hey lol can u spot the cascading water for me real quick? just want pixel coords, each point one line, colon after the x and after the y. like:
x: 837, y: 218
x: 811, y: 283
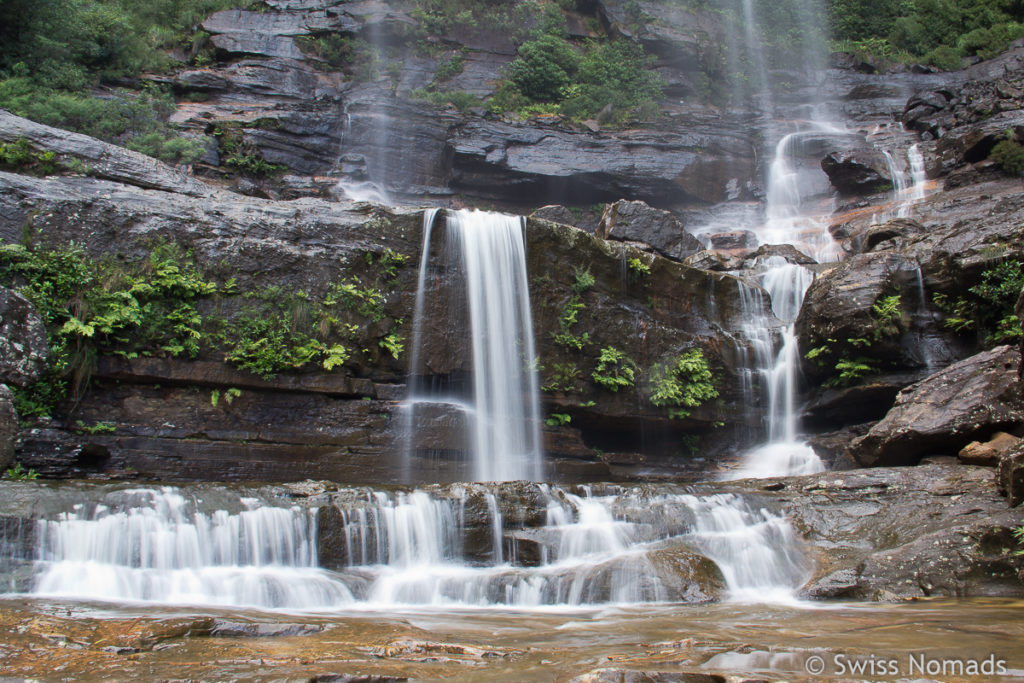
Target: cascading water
x: 504, y: 415
x: 414, y: 548
x: 778, y: 375
x: 154, y: 545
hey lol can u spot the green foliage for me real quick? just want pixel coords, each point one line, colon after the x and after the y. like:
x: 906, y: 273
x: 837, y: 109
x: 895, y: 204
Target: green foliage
x: 638, y: 268
x: 92, y: 307
x: 19, y: 473
x: 174, y: 150
x: 463, y: 101
x: 353, y: 295
x: 543, y: 67
x: 393, y: 344
x: 450, y: 68
x: 569, y: 317
x: 135, y: 119
x: 241, y: 156
x: 611, y: 81
x: 332, y: 49
x: 266, y: 344
x: 615, y: 370
x: 683, y: 383
x: 1018, y: 535
x: 851, y: 371
x: 229, y: 396
x: 558, y: 420
x: 887, y: 314
x: 1009, y: 156
x: 565, y: 377
x: 939, y: 32
x: 582, y: 280
x: 98, y: 428
x: 21, y: 156
x: 988, y: 306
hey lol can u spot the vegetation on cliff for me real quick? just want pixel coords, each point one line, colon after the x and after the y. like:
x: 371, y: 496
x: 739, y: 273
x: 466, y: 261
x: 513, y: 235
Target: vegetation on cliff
x: 165, y: 306
x: 939, y: 32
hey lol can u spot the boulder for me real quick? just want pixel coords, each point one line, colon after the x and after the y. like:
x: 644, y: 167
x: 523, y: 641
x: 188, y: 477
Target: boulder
x: 860, y: 172
x: 686, y: 575
x: 24, y: 350
x: 838, y: 311
x: 636, y: 221
x: 941, y: 414
x: 988, y: 453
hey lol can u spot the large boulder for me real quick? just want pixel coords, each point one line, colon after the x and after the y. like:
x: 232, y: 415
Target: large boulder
x: 635, y: 221
x: 941, y: 414
x: 23, y: 347
x: 859, y: 172
x: 838, y: 313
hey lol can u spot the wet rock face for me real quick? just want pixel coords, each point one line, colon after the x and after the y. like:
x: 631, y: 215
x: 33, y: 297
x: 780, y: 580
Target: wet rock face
x: 861, y: 172
x: 1011, y: 475
x: 23, y: 346
x: 941, y: 414
x: 8, y: 427
x: 527, y: 165
x: 989, y: 88
x: 895, y: 533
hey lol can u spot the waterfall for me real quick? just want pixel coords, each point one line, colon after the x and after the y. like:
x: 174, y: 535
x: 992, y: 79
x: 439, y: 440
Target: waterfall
x: 783, y: 454
x: 410, y: 548
x: 154, y: 545
x: 503, y: 418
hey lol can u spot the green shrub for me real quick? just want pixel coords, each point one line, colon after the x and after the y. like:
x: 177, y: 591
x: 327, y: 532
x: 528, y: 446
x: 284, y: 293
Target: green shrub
x: 683, y: 383
x: 1008, y: 155
x: 888, y: 317
x: 988, y: 307
x: 19, y: 473
x: 611, y: 80
x: 558, y: 420
x: 463, y: 101
x: 944, y: 57
x: 91, y: 307
x: 615, y: 370
x: 544, y: 67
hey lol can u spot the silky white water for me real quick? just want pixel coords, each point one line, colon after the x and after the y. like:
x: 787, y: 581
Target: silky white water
x: 503, y: 411
x: 410, y: 548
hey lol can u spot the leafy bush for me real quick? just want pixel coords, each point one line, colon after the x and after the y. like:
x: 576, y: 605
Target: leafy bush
x: 544, y: 67
x: 92, y: 307
x: 939, y: 32
x: 1008, y: 155
x: 463, y: 101
x: 989, y: 306
x: 944, y: 57
x: 615, y: 370
x: 682, y: 383
x: 887, y: 314
x: 609, y: 80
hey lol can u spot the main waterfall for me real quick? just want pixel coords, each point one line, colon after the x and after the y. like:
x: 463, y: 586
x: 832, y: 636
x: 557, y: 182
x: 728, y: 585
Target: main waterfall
x: 503, y: 415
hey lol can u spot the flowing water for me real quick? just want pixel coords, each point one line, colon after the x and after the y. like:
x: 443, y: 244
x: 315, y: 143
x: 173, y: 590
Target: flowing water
x: 503, y: 413
x: 401, y: 549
